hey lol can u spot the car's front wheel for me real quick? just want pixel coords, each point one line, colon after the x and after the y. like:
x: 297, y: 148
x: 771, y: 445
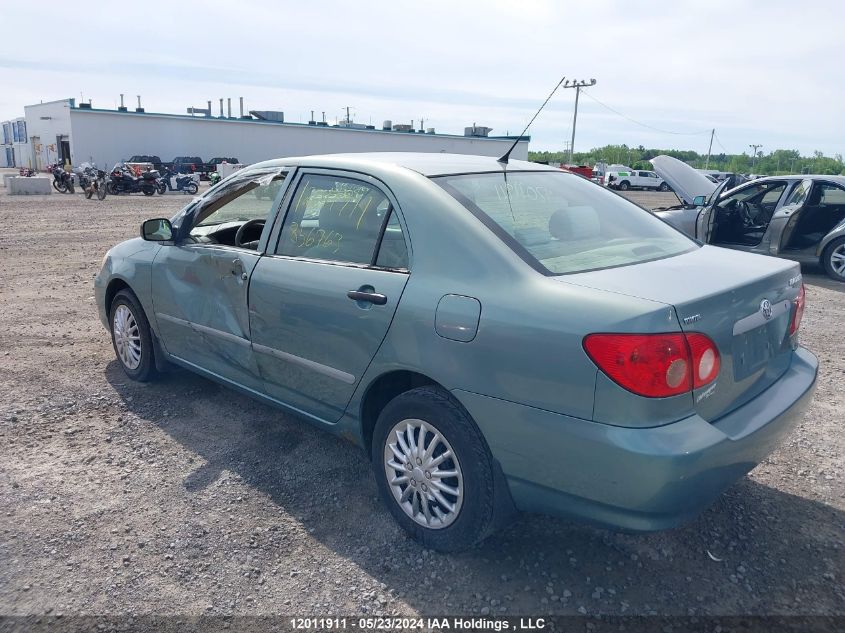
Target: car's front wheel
x: 833, y: 259
x: 624, y: 185
x: 663, y: 187
x: 131, y: 338
x: 434, y: 470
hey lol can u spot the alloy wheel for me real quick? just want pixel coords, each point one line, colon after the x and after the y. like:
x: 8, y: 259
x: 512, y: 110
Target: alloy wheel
x: 423, y: 473
x: 837, y: 260
x: 127, y: 337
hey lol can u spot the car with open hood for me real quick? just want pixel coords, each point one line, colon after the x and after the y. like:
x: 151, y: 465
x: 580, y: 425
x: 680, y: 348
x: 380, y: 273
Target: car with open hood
x: 496, y: 335
x: 799, y: 217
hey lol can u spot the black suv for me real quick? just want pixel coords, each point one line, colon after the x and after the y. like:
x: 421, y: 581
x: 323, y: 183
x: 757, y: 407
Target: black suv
x: 212, y: 164
x: 144, y: 158
x: 188, y: 165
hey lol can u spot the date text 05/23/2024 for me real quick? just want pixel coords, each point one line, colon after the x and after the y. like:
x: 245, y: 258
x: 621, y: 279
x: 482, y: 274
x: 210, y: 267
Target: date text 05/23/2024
x: 424, y: 624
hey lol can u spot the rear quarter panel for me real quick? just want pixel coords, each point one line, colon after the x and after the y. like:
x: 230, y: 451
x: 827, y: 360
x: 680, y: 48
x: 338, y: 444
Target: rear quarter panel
x: 528, y: 347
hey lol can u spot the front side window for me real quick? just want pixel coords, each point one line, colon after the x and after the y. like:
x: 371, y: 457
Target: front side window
x: 768, y: 192
x: 337, y: 219
x: 561, y: 223
x: 249, y: 202
x: 235, y: 213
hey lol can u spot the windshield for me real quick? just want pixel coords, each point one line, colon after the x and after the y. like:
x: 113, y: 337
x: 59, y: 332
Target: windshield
x: 561, y: 223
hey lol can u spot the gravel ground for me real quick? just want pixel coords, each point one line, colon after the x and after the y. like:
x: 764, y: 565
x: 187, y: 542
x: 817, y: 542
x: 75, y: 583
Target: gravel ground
x: 183, y: 497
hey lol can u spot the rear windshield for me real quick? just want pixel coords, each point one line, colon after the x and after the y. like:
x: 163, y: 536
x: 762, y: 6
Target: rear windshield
x: 562, y: 223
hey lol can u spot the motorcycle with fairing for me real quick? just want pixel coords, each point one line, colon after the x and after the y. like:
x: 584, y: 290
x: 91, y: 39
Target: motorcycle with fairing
x: 123, y: 180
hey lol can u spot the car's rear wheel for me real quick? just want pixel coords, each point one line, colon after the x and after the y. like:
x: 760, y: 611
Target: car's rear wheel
x: 833, y: 259
x: 434, y: 470
x: 624, y: 185
x: 663, y: 187
x: 131, y: 338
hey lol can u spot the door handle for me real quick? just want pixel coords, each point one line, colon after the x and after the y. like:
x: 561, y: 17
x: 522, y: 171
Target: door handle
x: 238, y: 269
x: 368, y: 297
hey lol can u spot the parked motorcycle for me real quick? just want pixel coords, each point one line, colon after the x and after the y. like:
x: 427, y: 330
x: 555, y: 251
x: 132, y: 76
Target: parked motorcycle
x: 177, y: 182
x: 123, y: 180
x: 62, y: 180
x: 92, y: 181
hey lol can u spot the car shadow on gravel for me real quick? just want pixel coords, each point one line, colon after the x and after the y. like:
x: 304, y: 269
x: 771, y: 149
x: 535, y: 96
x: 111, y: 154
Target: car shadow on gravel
x: 758, y: 550
x: 815, y: 275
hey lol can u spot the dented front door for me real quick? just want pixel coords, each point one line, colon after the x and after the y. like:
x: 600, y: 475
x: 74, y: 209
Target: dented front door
x: 200, y: 298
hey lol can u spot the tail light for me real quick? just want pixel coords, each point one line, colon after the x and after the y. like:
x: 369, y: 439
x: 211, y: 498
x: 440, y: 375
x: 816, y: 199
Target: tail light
x: 655, y: 365
x: 800, y: 302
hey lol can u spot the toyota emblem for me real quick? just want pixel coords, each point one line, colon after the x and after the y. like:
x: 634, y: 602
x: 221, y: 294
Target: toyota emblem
x: 766, y: 309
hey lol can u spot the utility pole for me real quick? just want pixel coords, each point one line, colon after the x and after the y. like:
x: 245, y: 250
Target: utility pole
x: 709, y: 149
x: 577, y: 85
x: 754, y: 156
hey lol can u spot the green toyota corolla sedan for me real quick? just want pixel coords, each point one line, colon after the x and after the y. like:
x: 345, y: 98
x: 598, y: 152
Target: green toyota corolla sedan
x: 496, y: 336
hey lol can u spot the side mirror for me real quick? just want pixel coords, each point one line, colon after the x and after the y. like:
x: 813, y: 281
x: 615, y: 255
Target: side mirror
x: 699, y: 201
x: 158, y: 230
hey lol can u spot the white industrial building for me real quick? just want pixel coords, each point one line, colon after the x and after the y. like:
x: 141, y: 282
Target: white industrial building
x: 15, y: 150
x: 64, y: 131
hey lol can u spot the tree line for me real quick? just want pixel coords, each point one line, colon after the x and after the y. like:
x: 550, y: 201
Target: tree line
x: 777, y: 162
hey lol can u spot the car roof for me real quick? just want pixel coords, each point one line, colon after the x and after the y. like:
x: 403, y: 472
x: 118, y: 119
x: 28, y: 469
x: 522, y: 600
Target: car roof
x: 837, y: 179
x: 427, y: 164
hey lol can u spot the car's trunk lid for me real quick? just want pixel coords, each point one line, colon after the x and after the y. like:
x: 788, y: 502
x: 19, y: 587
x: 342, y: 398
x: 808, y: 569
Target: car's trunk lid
x: 720, y: 293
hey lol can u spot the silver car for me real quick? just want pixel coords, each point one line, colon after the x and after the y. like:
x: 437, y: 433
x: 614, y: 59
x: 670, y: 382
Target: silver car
x: 800, y: 217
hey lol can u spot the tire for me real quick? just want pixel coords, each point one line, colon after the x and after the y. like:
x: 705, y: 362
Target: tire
x: 148, y: 190
x: 191, y: 188
x: 59, y: 187
x: 162, y: 188
x: 112, y: 188
x: 70, y: 186
x: 89, y: 192
x: 468, y: 516
x: 833, y: 259
x: 624, y: 185
x: 663, y: 187
x: 137, y: 361
x: 101, y: 192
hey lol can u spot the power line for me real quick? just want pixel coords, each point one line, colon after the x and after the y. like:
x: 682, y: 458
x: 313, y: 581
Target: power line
x: 646, y: 125
x: 720, y: 144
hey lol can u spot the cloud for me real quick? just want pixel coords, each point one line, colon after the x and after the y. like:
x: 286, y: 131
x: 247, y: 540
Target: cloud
x: 758, y: 75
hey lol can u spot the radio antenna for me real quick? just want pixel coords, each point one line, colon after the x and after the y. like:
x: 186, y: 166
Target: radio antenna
x: 504, y: 159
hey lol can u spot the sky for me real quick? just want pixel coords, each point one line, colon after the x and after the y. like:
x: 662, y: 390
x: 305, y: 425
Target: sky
x: 767, y: 73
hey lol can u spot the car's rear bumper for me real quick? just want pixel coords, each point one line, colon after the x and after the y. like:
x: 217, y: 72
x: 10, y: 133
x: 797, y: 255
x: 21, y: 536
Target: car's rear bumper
x: 636, y: 479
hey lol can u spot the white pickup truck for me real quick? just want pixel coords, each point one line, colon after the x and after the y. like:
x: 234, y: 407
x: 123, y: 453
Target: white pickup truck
x: 635, y: 179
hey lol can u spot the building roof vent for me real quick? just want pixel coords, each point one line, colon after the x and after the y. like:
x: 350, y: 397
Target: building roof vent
x: 403, y: 127
x: 477, y: 130
x: 268, y: 115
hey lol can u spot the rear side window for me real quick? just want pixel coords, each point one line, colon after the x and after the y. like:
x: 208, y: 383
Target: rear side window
x: 560, y: 223
x: 340, y: 219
